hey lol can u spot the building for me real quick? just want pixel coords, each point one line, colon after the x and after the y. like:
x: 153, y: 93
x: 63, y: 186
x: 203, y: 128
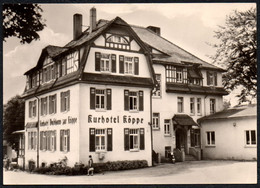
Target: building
x: 90, y: 97
x: 230, y: 134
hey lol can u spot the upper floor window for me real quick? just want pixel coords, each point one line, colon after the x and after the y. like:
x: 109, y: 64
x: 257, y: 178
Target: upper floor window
x: 212, y: 78
x: 100, y: 139
x: 100, y: 99
x: 44, y: 106
x: 157, y: 90
x: 199, y: 106
x: 212, y: 106
x: 116, y: 41
x: 65, y: 101
x: 174, y: 74
x: 133, y: 100
x: 32, y: 108
x: 105, y: 62
x: 166, y: 127
x: 72, y: 62
x: 250, y: 137
x: 180, y: 104
x: 156, y: 121
x: 52, y: 104
x: 128, y: 65
x: 192, y: 106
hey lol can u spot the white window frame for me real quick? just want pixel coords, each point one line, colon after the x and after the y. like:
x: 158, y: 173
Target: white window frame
x: 192, y: 106
x: 156, y: 120
x: 52, y: 144
x: 44, y: 106
x: 179, y: 75
x: 52, y: 103
x: 66, y: 101
x: 157, y: 92
x: 250, y: 138
x: 209, y: 138
x: 100, y: 134
x: 199, y: 106
x: 212, y: 105
x: 65, y: 141
x: 167, y: 124
x: 129, y: 65
x: 105, y: 63
x: 134, y: 133
x: 134, y: 99
x: 98, y: 97
x: 180, y: 100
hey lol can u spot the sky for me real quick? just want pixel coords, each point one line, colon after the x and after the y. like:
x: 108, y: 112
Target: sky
x: 188, y: 25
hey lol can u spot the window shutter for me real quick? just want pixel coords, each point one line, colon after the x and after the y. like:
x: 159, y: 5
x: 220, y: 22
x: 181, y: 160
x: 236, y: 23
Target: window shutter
x: 121, y: 64
x: 50, y: 109
x: 61, y: 101
x: 109, y: 97
x: 109, y: 140
x: 54, y: 140
x: 68, y: 94
x: 61, y: 139
x: 68, y: 138
x: 208, y: 78
x: 41, y: 106
x: 41, y: 140
x: 30, y: 109
x: 97, y: 61
x: 55, y: 103
x: 215, y: 78
x: 35, y: 104
x: 126, y: 99
x: 92, y: 139
x: 113, y: 57
x: 92, y: 98
x: 142, y: 139
x: 126, y: 133
x: 136, y: 61
x: 141, y: 101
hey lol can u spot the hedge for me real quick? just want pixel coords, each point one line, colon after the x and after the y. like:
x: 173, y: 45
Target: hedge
x: 98, y: 168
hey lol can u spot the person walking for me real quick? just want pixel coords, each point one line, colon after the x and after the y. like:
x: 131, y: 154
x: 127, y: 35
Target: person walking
x: 90, y: 166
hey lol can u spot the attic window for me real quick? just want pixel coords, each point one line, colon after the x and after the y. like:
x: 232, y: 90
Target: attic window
x: 116, y: 41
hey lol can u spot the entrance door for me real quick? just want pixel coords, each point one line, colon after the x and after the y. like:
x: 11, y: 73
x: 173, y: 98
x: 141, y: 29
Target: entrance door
x: 180, y: 139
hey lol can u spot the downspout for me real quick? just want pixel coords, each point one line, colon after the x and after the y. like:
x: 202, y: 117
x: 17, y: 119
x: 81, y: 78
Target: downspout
x: 38, y: 132
x: 151, y: 124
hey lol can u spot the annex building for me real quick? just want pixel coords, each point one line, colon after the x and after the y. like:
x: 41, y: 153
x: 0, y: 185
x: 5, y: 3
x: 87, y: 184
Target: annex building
x: 117, y: 92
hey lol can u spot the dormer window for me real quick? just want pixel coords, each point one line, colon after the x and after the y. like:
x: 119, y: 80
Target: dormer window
x: 176, y: 74
x: 179, y: 74
x: 212, y: 78
x: 116, y: 41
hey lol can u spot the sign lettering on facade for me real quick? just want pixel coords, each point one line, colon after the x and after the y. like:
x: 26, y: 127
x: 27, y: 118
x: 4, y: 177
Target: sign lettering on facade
x: 112, y: 119
x: 69, y: 120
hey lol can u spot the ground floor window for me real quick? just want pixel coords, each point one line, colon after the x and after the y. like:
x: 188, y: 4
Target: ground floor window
x: 32, y: 140
x: 134, y: 139
x: 48, y: 140
x: 210, y: 138
x: 65, y: 140
x: 100, y: 139
x: 250, y: 137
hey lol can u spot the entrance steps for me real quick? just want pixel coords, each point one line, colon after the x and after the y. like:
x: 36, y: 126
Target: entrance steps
x: 190, y: 158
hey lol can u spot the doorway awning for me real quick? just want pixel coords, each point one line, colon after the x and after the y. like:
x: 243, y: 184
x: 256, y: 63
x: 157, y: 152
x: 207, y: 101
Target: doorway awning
x: 183, y: 120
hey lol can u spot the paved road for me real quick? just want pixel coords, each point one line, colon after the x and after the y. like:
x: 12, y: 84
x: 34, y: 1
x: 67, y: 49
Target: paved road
x: 194, y: 172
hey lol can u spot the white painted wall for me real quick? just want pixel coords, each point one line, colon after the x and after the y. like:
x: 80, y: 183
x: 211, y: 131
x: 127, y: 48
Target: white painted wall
x: 230, y: 141
x: 118, y: 152
x: 54, y: 156
x: 143, y: 66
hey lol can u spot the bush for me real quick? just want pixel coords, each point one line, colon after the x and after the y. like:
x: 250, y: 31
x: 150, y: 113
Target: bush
x: 81, y: 169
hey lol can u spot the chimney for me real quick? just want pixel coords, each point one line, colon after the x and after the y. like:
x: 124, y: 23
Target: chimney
x: 77, y: 25
x: 93, y: 19
x: 156, y: 30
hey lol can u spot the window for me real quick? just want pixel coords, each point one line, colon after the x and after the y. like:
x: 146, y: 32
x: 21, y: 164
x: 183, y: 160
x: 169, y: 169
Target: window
x: 65, y: 101
x: 52, y: 104
x: 105, y: 63
x: 32, y: 108
x: 129, y: 65
x: 100, y: 140
x: 180, y: 104
x: 63, y: 67
x: 195, y: 137
x: 156, y: 121
x: 44, y: 106
x: 53, y: 141
x: 34, y: 80
x: 167, y: 127
x: 251, y: 137
x: 210, y: 138
x: 212, y: 78
x: 48, y: 140
x: 168, y: 150
x: 100, y: 99
x: 174, y: 74
x: 133, y: 100
x: 52, y: 72
x: 157, y: 90
x: 65, y: 140
x: 179, y: 74
x: 199, y: 106
x: 72, y: 61
x: 212, y: 106
x: 192, y: 106
x: 115, y: 41
x: 32, y: 140
x: 134, y: 139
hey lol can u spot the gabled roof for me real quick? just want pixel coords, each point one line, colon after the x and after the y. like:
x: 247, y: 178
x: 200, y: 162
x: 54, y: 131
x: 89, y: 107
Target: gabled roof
x: 183, y: 120
x: 237, y: 111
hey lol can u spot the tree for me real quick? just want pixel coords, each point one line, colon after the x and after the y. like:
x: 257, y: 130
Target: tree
x: 22, y: 21
x: 13, y: 119
x: 236, y: 52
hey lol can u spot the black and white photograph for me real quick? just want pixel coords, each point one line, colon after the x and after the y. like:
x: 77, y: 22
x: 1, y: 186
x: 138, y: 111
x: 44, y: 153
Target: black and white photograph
x: 129, y: 93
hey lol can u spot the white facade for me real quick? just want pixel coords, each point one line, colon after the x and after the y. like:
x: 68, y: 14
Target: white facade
x: 230, y: 139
